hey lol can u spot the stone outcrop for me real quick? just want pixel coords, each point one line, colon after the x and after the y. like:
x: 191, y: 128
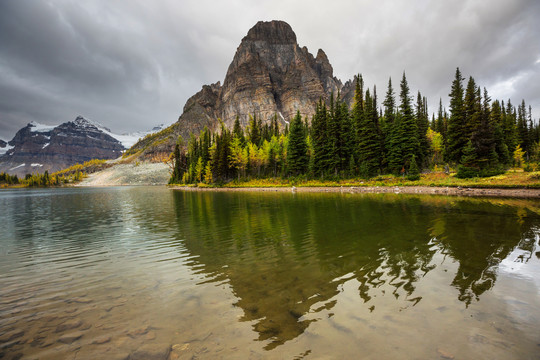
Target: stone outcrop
x: 37, y: 148
x: 270, y: 75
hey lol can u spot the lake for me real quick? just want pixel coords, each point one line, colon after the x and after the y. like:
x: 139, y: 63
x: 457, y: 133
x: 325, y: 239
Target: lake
x: 154, y: 273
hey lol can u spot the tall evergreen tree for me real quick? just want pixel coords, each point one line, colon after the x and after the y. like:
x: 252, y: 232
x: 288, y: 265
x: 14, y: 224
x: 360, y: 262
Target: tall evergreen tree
x: 483, y: 137
x: 392, y: 132
x: 334, y: 131
x: 321, y: 141
x: 522, y: 127
x: 347, y: 137
x: 441, y: 125
x: 238, y: 131
x: 368, y: 137
x: 297, y: 158
x: 254, y: 130
x: 509, y: 127
x: 422, y: 123
x: 457, y: 136
x: 496, y: 122
x: 409, y: 143
x: 471, y: 108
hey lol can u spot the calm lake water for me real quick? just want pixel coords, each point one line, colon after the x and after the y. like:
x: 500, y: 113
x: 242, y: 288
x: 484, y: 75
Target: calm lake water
x: 152, y: 273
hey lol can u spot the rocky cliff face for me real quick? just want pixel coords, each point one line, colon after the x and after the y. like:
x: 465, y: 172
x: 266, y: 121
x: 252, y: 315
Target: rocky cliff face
x: 36, y: 147
x: 270, y: 75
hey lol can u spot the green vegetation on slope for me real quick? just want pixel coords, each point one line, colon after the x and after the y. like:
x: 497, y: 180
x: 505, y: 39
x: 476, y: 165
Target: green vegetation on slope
x: 480, y: 138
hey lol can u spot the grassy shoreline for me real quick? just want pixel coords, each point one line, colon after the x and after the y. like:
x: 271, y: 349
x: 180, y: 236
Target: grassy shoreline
x: 514, y: 183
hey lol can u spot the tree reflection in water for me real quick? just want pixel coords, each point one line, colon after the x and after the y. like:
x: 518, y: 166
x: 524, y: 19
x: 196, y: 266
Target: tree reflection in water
x: 288, y: 255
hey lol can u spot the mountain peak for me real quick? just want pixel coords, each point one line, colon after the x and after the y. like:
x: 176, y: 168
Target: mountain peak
x: 82, y: 122
x: 273, y: 32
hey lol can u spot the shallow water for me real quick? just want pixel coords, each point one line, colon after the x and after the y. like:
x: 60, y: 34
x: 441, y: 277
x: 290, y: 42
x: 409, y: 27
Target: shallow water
x: 154, y: 273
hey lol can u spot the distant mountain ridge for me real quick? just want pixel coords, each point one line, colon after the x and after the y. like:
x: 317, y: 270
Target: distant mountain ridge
x: 36, y: 147
x: 270, y: 75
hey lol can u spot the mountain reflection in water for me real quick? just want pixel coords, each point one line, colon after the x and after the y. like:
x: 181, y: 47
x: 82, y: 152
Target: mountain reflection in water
x: 148, y: 272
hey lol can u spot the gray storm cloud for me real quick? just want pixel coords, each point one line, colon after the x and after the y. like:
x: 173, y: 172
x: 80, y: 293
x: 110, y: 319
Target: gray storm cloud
x: 131, y: 65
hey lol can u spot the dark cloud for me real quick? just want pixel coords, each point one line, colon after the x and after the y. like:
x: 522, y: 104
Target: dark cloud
x: 131, y: 65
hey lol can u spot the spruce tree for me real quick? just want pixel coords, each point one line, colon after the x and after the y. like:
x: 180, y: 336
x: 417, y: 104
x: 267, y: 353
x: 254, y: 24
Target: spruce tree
x: 422, y: 122
x: 523, y: 129
x: 254, y: 130
x: 321, y: 141
x: 347, y: 137
x: 457, y: 135
x: 390, y: 148
x: 238, y: 131
x: 509, y: 127
x: 297, y: 159
x: 468, y: 168
x: 483, y: 137
x: 471, y: 108
x: 368, y: 138
x: 413, y: 173
x: 358, y: 109
x: 495, y: 118
x: 333, y: 133
x: 394, y: 143
x: 409, y: 142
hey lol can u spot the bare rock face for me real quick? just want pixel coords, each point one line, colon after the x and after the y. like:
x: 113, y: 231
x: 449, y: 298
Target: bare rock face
x: 37, y: 148
x: 270, y: 75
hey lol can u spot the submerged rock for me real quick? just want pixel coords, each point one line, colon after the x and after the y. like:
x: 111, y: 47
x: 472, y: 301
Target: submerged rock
x: 68, y: 325
x: 70, y: 338
x: 151, y: 352
x: 101, y: 340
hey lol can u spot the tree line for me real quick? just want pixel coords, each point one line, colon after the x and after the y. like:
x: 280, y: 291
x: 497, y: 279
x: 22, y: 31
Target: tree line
x: 478, y: 137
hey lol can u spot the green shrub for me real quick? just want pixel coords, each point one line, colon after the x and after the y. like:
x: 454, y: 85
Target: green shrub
x: 465, y: 172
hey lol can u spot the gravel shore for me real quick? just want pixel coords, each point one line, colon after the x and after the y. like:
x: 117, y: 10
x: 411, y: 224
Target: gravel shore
x: 456, y: 191
x: 146, y: 173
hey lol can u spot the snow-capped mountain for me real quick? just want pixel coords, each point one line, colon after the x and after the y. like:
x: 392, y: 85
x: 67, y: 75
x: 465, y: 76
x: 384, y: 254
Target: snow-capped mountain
x: 128, y: 140
x: 38, y: 147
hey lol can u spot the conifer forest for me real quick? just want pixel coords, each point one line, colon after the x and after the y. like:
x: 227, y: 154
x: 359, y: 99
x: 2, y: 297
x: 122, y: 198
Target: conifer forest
x: 477, y: 136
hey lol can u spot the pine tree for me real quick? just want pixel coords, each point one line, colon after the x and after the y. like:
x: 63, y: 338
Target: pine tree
x: 179, y: 162
x: 441, y: 125
x: 409, y: 142
x: 509, y: 127
x: 468, y: 169
x: 254, y: 130
x: 368, y: 137
x: 483, y: 137
x: 495, y: 118
x: 297, y: 159
x: 333, y: 133
x: 238, y: 131
x: 422, y: 123
x: 456, y: 135
x: 358, y: 109
x: 523, y: 129
x: 321, y: 141
x: 394, y: 143
x: 390, y: 132
x: 471, y: 108
x: 347, y: 137
x: 414, y: 173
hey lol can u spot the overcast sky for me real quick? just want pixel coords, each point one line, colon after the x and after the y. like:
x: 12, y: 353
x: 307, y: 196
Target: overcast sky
x: 133, y: 64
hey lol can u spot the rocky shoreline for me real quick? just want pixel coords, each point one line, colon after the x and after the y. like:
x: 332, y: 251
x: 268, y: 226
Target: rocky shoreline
x: 428, y: 190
